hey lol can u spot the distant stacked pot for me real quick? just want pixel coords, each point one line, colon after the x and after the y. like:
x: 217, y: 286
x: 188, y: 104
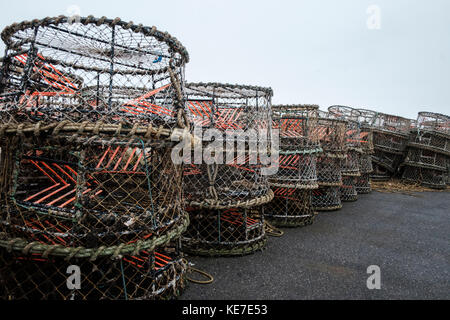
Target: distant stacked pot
x: 428, y: 154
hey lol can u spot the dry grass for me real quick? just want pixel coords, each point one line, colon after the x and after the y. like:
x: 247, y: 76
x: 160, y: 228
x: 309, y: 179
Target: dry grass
x: 397, y: 186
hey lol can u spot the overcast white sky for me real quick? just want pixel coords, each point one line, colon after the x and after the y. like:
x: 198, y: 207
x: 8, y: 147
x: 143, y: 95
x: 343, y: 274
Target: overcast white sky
x: 308, y: 51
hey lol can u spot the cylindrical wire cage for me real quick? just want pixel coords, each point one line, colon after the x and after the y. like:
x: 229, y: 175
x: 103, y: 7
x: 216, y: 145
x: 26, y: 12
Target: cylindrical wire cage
x: 225, y: 195
x: 227, y: 232
x: 363, y: 184
x: 326, y: 199
x: 297, y: 174
x: 298, y: 146
x: 290, y: 208
x: 348, y: 190
x: 428, y: 152
x: 149, y: 275
x: 237, y: 118
x: 87, y: 109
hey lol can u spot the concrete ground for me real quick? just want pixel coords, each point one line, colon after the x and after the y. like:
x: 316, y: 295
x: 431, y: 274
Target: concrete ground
x: 408, y: 237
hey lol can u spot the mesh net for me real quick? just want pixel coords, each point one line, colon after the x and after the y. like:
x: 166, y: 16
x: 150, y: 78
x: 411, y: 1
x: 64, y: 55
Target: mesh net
x: 234, y: 178
x: 380, y: 173
x: 348, y: 189
x: 86, y: 111
x: 426, y: 159
x: 326, y: 199
x: 226, y: 196
x: 436, y: 179
x: 363, y: 184
x: 329, y: 170
x: 226, y: 232
x: 428, y: 156
x: 290, y: 207
x: 298, y: 146
x: 158, y: 274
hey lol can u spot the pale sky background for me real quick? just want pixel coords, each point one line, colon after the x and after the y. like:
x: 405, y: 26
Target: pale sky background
x: 308, y: 51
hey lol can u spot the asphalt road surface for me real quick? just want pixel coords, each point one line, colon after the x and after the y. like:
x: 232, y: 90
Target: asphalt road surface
x: 408, y: 237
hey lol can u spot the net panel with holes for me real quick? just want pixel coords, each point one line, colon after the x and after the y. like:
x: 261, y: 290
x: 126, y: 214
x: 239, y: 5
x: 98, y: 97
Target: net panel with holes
x: 332, y: 136
x: 87, y: 110
x: 155, y: 274
x: 351, y: 169
x: 428, y: 151
x: 390, y: 136
x: 297, y: 161
x: 326, y: 199
x: 225, y: 232
x: 225, y: 186
x: 290, y: 207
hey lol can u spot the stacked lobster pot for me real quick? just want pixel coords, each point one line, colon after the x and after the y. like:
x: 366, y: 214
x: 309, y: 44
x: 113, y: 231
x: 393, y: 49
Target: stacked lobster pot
x: 351, y: 165
x: 331, y: 134
x: 363, y: 182
x: 428, y: 153
x: 90, y: 201
x: 390, y: 136
x: 225, y: 177
x: 296, y: 176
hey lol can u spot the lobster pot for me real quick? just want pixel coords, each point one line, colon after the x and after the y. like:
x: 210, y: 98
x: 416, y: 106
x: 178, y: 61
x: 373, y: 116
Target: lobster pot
x: 426, y: 158
x: 432, y: 178
x: 88, y: 112
x: 329, y: 169
x: 147, y: 275
x: 363, y: 184
x: 296, y: 170
x: 331, y: 132
x: 380, y: 173
x: 348, y: 189
x: 228, y: 232
x: 326, y: 199
x: 231, y: 124
x: 365, y: 163
x: 351, y: 165
x: 430, y: 140
x: 290, y: 208
x: 298, y: 146
x: 389, y: 161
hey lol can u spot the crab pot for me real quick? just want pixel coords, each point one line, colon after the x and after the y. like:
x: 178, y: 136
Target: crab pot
x: 298, y: 146
x: 239, y: 118
x: 147, y: 275
x: 329, y: 172
x: 351, y: 164
x: 365, y: 163
x: 326, y: 199
x: 331, y: 133
x: 426, y: 158
x: 87, y: 110
x: 363, y: 184
x: 389, y: 161
x: 348, y: 189
x: 390, y: 136
x: 72, y: 194
x: 290, y: 207
x: 432, y: 178
x: 428, y: 153
x: 228, y: 232
x: 380, y: 173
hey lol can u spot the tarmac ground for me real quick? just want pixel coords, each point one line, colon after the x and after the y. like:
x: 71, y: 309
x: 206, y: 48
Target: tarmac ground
x: 408, y: 237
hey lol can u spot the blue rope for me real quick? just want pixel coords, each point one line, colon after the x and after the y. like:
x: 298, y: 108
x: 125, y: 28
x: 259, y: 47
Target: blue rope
x: 123, y: 280
x: 148, y: 173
